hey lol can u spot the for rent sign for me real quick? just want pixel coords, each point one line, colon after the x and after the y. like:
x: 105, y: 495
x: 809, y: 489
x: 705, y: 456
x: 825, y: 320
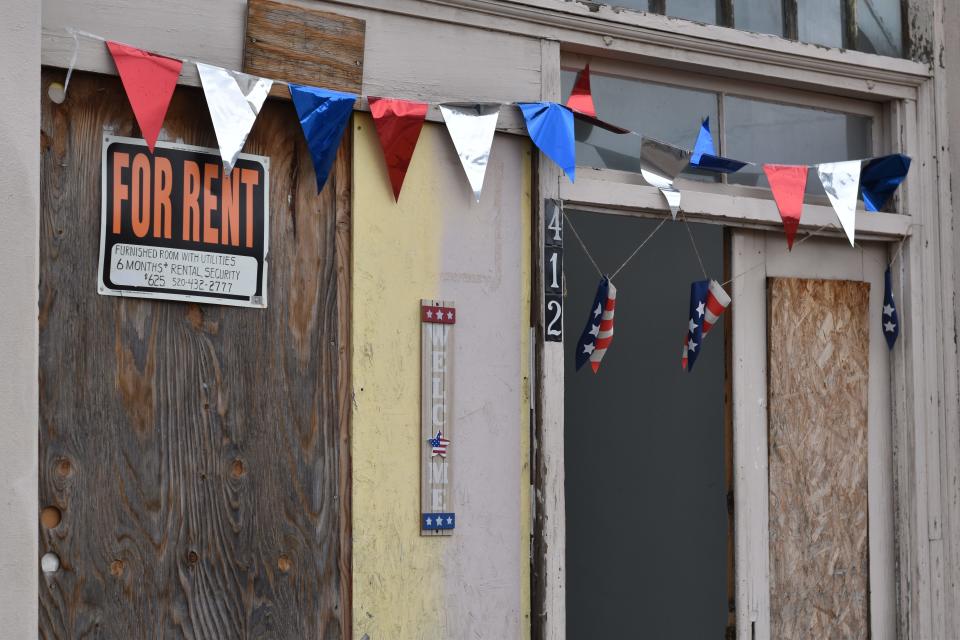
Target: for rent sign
x: 174, y: 226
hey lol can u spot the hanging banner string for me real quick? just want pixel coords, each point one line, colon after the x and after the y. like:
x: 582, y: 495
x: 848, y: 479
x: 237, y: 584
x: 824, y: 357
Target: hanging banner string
x: 86, y: 34
x: 693, y: 243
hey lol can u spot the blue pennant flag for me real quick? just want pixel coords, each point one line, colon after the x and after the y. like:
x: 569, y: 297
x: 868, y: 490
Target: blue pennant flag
x: 324, y: 115
x: 705, y: 155
x: 550, y: 126
x: 890, y: 320
x: 880, y: 177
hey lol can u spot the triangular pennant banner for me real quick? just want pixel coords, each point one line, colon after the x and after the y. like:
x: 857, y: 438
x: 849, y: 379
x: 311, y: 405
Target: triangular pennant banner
x: 788, y: 182
x: 581, y: 99
x: 323, y: 115
x: 708, y: 301
x: 880, y: 177
x: 149, y: 81
x: 598, y: 334
x: 705, y: 155
x: 471, y: 127
x: 234, y: 100
x: 841, y: 181
x: 398, y: 124
x: 550, y: 126
x: 660, y: 164
x: 704, y: 143
x: 890, y: 320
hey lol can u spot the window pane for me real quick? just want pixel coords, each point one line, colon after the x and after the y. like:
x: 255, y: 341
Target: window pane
x: 660, y: 111
x: 636, y: 5
x: 879, y: 28
x: 761, y: 16
x: 820, y: 22
x: 768, y: 132
x: 699, y: 10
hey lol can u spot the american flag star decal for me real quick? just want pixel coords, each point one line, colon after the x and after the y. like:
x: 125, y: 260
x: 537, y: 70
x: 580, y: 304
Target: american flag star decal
x: 438, y: 445
x: 708, y: 301
x: 890, y: 320
x: 598, y: 334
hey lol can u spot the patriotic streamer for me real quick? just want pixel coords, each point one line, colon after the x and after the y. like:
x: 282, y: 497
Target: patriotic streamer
x: 705, y: 154
x: 149, y: 81
x: 598, y: 334
x: 471, y: 127
x: 787, y: 183
x: 660, y: 164
x: 889, y: 319
x: 880, y: 177
x: 550, y: 126
x: 581, y: 103
x: 708, y: 301
x: 841, y: 181
x: 324, y: 115
x: 234, y: 100
x: 398, y: 124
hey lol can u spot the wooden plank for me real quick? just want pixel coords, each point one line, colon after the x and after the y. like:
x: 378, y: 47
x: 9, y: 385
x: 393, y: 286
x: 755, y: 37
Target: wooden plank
x: 298, y: 43
x: 726, y: 205
x: 436, y: 418
x: 197, y: 455
x: 818, y: 345
x: 750, y: 434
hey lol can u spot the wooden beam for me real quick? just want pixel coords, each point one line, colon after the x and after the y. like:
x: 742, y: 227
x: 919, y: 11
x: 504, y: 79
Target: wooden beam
x: 300, y: 44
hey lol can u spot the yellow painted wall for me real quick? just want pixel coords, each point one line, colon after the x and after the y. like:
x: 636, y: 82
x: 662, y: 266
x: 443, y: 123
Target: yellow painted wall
x: 405, y: 585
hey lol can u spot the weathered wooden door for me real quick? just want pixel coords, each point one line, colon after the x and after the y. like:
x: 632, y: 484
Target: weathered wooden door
x: 194, y: 460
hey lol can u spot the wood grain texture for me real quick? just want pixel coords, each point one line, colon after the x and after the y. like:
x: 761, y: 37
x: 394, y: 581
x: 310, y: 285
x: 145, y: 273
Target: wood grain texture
x: 198, y: 454
x: 818, y: 381
x: 297, y: 43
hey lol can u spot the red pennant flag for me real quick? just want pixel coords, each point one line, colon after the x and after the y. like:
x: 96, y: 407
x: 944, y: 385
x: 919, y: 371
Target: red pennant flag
x: 788, y: 182
x: 398, y: 124
x: 581, y: 99
x: 149, y: 81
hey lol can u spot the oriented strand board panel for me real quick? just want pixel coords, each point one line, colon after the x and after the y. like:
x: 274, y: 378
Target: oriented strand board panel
x: 297, y: 43
x: 196, y: 456
x: 818, y: 344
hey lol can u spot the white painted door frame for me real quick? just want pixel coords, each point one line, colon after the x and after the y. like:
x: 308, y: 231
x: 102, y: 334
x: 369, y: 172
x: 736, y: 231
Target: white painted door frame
x: 756, y: 256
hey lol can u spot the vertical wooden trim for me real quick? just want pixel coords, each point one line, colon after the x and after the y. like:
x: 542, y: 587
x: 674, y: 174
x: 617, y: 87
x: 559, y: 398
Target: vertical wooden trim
x: 848, y: 13
x: 747, y: 317
x: 658, y: 6
x: 549, y: 618
x: 791, y: 27
x: 343, y: 176
x: 725, y: 13
x: 728, y: 450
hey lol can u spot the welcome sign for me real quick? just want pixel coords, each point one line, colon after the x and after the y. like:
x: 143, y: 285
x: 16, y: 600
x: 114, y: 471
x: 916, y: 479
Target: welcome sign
x: 174, y: 226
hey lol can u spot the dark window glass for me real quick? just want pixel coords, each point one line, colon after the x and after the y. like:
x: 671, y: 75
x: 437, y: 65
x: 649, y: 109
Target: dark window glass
x: 647, y: 524
x: 879, y: 27
x: 670, y: 114
x: 698, y: 10
x: 767, y: 132
x: 820, y: 22
x: 636, y: 5
x: 760, y: 16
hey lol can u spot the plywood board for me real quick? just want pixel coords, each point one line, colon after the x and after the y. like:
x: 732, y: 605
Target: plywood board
x: 818, y: 346
x: 298, y: 43
x: 194, y: 459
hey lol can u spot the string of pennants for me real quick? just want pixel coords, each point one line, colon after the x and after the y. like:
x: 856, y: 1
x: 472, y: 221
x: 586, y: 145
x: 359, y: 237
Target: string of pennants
x: 235, y: 99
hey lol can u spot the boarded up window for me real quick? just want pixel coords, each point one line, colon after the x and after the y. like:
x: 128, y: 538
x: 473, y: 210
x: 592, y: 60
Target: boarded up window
x: 193, y: 459
x: 818, y: 348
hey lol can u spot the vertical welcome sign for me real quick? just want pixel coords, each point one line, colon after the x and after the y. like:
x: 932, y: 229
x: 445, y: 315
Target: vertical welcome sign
x: 437, y: 318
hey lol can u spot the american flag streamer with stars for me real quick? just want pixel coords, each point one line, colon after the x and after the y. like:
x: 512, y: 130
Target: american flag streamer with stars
x: 438, y: 445
x: 891, y: 322
x: 598, y: 334
x: 708, y: 301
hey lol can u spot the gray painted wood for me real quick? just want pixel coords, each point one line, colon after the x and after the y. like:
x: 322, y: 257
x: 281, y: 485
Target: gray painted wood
x: 197, y: 454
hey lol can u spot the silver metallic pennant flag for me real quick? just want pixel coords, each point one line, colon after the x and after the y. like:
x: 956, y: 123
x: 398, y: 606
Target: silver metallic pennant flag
x: 234, y: 100
x: 841, y: 181
x: 660, y: 164
x: 471, y: 128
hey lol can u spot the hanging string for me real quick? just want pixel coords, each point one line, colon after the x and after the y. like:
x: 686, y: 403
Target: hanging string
x: 580, y: 240
x: 693, y: 243
x: 590, y: 256
x: 637, y: 250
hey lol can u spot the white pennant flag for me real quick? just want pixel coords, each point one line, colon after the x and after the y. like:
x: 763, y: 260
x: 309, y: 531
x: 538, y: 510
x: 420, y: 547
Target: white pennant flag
x: 841, y: 181
x: 234, y: 100
x: 471, y: 128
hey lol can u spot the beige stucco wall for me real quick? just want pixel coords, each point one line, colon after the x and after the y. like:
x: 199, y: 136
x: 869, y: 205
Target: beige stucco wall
x: 19, y: 245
